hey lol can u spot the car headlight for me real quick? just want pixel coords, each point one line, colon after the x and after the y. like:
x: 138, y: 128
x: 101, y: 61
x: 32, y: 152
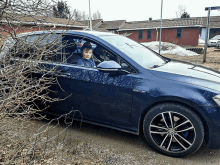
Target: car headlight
x: 217, y: 99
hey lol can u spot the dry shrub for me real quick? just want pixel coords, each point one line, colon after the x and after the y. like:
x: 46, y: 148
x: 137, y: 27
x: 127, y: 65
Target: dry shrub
x: 22, y: 95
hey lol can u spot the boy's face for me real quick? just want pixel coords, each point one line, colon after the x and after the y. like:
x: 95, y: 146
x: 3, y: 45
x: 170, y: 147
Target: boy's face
x: 87, y: 53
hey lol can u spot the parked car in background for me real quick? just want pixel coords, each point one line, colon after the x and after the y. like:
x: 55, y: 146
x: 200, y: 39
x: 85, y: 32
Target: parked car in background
x: 218, y: 45
x: 175, y: 104
x: 213, y: 41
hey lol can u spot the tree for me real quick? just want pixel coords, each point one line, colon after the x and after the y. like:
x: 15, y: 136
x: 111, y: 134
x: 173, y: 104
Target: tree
x: 84, y: 16
x: 77, y: 15
x: 181, y: 9
x: 185, y: 15
x: 61, y: 10
x: 97, y: 15
x: 19, y: 89
x: 80, y: 15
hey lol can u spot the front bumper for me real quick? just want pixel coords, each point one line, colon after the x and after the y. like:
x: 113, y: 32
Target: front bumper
x: 211, y: 43
x: 212, y: 132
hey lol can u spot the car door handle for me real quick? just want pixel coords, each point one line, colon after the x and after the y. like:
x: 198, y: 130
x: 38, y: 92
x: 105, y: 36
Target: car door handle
x: 65, y: 74
x: 135, y: 90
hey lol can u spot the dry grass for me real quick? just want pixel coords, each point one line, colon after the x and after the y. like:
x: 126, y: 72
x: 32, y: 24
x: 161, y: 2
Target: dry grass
x: 212, y: 58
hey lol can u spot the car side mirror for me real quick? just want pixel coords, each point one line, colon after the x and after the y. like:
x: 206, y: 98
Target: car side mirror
x: 111, y: 67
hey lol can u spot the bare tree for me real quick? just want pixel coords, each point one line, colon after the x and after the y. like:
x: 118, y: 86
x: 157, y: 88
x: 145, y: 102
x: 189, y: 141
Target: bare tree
x: 18, y: 89
x: 22, y: 93
x: 97, y: 15
x: 61, y: 10
x: 77, y: 15
x: 84, y: 16
x: 181, y: 9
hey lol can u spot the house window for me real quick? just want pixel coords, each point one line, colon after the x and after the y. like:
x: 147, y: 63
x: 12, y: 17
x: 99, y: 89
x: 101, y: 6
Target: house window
x: 179, y: 31
x: 149, y: 34
x: 140, y: 36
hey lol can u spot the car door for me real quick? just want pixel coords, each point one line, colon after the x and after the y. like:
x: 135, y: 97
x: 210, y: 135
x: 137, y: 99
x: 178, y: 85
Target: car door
x: 100, y: 97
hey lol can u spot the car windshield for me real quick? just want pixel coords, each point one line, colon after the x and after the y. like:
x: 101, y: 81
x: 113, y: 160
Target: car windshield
x: 140, y: 54
x: 216, y: 37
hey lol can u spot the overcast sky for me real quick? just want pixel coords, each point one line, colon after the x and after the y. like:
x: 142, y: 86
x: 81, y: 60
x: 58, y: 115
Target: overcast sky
x: 138, y: 10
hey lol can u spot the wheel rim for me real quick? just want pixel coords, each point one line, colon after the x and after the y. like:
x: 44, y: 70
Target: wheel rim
x: 172, y: 132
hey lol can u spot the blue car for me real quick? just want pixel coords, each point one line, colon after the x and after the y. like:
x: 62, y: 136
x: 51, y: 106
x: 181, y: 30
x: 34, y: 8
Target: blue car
x: 131, y: 88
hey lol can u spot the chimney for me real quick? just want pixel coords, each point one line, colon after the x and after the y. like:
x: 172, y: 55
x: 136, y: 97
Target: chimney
x: 150, y: 18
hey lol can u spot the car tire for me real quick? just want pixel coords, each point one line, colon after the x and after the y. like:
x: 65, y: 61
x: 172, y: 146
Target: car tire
x: 173, y: 129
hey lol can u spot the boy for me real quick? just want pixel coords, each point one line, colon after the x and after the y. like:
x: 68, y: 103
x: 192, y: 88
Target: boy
x: 86, y: 52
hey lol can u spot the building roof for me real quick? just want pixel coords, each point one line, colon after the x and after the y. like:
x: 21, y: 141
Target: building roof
x: 111, y: 25
x: 214, y: 21
x: 35, y: 20
x: 95, y: 22
x: 166, y: 23
x: 101, y: 30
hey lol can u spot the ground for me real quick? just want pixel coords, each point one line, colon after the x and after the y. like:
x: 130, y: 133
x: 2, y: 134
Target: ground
x: 102, y: 146
x: 212, y: 58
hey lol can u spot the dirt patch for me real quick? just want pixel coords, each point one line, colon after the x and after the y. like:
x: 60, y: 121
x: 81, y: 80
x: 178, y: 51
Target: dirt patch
x: 99, y: 145
x: 212, y: 58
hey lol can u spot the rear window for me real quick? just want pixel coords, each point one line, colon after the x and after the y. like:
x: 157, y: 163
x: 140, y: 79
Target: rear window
x: 30, y: 46
x: 8, y: 44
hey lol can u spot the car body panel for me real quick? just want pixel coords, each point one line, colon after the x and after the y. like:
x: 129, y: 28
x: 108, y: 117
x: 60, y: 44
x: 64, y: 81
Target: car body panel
x: 99, y: 96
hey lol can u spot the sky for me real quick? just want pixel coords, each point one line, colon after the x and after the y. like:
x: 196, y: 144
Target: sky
x: 139, y: 10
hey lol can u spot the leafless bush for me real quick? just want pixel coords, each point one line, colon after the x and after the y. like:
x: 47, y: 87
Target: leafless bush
x: 53, y: 142
x: 18, y: 88
x: 25, y: 81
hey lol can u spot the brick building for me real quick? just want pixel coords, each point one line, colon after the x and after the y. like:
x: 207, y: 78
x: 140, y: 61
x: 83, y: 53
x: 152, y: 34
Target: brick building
x: 177, y: 31
x: 180, y: 31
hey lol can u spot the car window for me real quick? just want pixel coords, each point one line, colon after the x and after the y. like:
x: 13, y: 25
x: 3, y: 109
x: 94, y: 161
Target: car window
x: 72, y: 53
x: 44, y: 47
x: 124, y: 64
x: 103, y: 54
x: 8, y: 44
x: 216, y: 37
x: 51, y: 44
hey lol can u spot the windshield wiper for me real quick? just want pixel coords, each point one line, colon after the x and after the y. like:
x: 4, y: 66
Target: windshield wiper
x: 156, y: 66
x: 129, y: 45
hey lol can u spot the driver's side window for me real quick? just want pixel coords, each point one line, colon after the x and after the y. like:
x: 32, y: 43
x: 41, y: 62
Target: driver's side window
x: 101, y: 54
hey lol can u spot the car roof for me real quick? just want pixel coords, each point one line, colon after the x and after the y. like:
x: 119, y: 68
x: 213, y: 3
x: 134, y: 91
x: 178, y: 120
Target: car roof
x: 78, y: 32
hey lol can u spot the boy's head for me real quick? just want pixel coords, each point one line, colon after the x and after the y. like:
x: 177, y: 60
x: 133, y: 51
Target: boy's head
x: 86, y: 50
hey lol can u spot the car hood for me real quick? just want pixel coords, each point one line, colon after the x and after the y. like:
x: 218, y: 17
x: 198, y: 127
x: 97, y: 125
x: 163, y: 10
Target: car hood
x: 189, y: 73
x: 213, y: 40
